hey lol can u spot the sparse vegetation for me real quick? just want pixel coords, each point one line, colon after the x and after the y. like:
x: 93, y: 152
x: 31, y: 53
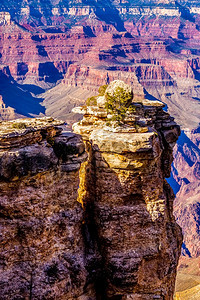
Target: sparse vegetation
x: 102, y: 90
x: 132, y: 108
x: 119, y: 104
x: 92, y: 101
x: 19, y: 125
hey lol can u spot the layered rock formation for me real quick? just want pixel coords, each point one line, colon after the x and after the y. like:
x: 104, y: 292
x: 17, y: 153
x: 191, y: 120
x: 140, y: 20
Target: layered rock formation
x: 123, y: 241
x: 153, y: 45
x: 42, y: 247
x: 129, y: 219
x: 98, y: 42
x: 51, y: 12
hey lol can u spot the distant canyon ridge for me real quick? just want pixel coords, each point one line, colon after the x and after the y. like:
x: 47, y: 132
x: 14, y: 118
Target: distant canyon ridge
x: 56, y: 54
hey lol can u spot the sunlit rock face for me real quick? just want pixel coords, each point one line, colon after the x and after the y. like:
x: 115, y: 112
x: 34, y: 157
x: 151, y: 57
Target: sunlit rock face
x: 128, y: 203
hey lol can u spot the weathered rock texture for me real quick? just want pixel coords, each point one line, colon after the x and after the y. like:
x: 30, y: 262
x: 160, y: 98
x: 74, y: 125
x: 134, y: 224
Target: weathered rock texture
x: 123, y: 241
x: 128, y: 203
x: 42, y: 249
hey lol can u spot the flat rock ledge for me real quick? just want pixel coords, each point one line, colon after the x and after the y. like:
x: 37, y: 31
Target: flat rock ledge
x: 30, y: 146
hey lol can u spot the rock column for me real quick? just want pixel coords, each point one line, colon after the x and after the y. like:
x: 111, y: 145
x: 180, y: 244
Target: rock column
x: 131, y: 205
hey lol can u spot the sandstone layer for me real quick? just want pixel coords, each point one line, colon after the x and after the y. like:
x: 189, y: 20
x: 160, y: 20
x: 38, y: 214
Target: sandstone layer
x: 128, y: 203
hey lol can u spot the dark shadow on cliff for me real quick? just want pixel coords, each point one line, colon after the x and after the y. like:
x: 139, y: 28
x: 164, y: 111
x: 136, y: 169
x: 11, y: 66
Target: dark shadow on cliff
x: 41, y: 51
x: 33, y: 89
x: 185, y: 143
x: 190, y: 152
x: 197, y: 77
x: 88, y: 31
x: 175, y: 45
x: 49, y: 73
x: 149, y: 96
x: 21, y: 97
x: 185, y: 251
x: 108, y: 13
x: 101, y: 209
x: 173, y: 183
x: 185, y: 12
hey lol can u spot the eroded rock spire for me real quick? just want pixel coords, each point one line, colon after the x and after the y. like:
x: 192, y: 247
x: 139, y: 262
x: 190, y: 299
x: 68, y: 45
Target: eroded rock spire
x: 128, y: 203
x: 95, y: 225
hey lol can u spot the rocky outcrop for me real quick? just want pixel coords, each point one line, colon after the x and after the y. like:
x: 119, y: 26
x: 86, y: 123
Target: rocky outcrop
x: 42, y: 248
x: 96, y: 228
x: 129, y: 219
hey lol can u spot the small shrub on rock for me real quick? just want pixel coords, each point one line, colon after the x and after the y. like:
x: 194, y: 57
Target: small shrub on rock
x: 19, y: 125
x: 118, y: 104
x: 91, y: 101
x: 102, y: 90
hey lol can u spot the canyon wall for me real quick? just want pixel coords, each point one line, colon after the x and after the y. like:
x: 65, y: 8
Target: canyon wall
x: 96, y: 41
x: 51, y: 12
x: 186, y: 174
x: 96, y: 228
